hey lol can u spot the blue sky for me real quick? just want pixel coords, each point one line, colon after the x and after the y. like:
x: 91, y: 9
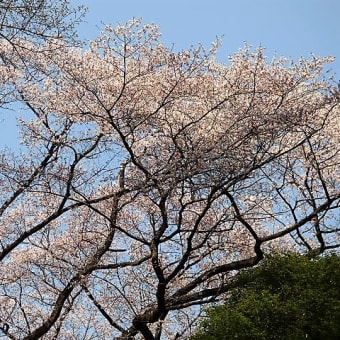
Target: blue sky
x: 290, y: 28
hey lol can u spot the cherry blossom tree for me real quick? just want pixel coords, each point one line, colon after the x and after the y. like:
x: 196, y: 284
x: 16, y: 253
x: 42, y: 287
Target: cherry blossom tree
x: 152, y: 176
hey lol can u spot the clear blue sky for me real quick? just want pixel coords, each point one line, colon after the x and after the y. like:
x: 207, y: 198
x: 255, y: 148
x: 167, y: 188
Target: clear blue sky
x: 291, y: 28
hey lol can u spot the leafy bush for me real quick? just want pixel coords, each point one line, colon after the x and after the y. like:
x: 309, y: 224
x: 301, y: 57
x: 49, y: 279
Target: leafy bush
x: 286, y: 297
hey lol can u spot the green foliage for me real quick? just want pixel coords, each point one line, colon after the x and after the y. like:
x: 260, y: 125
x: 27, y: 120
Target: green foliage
x: 286, y: 297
